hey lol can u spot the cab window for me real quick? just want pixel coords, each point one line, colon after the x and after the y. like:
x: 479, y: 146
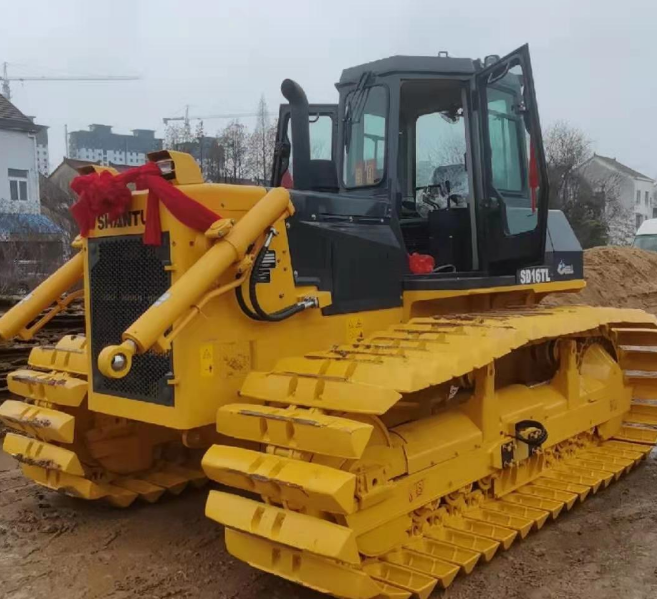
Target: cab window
x: 514, y: 179
x: 365, y: 137
x: 321, y: 138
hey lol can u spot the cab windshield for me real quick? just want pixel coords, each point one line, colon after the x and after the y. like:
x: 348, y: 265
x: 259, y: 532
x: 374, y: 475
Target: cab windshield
x: 646, y: 242
x: 365, y: 138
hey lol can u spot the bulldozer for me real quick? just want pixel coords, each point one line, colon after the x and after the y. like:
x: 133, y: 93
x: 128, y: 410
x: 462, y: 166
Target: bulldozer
x: 357, y: 353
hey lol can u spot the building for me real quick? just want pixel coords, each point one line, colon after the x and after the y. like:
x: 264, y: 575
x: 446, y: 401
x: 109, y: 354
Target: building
x: 43, y: 159
x: 634, y: 190
x: 30, y: 243
x: 101, y: 145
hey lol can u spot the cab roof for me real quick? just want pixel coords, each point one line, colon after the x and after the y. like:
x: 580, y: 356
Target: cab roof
x: 439, y: 65
x: 648, y: 227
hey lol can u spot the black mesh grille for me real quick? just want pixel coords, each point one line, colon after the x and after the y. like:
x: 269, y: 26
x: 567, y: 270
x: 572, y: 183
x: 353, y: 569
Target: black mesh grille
x: 125, y: 278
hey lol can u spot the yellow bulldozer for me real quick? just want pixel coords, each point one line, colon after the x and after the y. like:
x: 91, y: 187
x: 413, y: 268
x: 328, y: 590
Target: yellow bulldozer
x: 357, y: 353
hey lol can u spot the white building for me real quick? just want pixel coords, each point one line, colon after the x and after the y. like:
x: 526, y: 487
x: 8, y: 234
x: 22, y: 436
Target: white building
x: 19, y: 173
x: 30, y: 243
x: 101, y: 145
x: 634, y: 190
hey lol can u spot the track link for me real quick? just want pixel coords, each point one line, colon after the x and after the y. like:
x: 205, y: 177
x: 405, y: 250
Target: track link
x: 376, y: 475
x: 61, y: 445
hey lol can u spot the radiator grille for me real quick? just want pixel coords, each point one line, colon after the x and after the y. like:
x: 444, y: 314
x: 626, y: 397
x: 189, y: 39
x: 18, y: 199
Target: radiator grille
x: 125, y: 278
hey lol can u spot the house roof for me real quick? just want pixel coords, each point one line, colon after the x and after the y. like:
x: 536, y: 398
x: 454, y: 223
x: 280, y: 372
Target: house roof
x: 626, y: 170
x: 21, y: 226
x: 75, y: 164
x: 12, y: 118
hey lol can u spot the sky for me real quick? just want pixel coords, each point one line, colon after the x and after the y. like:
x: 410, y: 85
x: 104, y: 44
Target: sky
x: 594, y: 61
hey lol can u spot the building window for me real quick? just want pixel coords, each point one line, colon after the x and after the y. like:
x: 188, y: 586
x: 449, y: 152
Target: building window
x: 17, y: 184
x: 639, y: 220
x: 646, y: 198
x: 638, y: 196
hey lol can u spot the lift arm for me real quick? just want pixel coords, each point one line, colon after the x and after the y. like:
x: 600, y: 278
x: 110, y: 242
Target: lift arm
x: 14, y: 322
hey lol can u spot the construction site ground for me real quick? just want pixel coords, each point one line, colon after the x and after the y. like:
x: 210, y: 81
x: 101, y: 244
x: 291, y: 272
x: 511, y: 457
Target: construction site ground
x: 55, y: 546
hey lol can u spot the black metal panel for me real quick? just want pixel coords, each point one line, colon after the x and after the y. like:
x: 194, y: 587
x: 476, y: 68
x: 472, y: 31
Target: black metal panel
x: 563, y: 251
x: 347, y: 246
x: 125, y: 278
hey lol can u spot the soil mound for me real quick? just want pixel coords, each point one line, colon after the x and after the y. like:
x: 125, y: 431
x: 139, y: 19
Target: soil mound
x: 619, y: 277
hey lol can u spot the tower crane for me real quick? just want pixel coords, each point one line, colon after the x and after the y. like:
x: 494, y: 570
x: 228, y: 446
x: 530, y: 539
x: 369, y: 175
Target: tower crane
x: 5, y: 79
x: 186, y: 118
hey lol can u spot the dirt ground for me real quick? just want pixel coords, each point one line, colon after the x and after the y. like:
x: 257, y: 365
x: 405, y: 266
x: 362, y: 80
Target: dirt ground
x: 53, y: 546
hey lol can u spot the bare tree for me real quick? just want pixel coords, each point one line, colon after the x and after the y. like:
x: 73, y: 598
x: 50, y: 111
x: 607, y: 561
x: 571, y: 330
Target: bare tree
x: 261, y: 145
x: 591, y: 203
x: 175, y: 135
x: 566, y: 148
x: 234, y: 139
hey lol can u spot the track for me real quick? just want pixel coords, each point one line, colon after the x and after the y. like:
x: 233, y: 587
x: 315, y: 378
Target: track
x: 61, y: 445
x: 407, y: 532
x: 14, y: 354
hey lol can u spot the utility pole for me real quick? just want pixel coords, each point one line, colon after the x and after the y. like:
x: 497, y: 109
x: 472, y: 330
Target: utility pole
x: 65, y: 141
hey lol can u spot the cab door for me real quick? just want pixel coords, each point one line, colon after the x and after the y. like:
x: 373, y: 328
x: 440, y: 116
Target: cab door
x: 513, y: 190
x: 323, y: 120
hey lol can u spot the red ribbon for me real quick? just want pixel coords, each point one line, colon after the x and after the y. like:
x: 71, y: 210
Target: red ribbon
x: 104, y: 193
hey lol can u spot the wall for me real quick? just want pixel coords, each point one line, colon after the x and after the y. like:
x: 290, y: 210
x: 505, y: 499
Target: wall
x: 17, y: 150
x: 644, y: 208
x: 106, y: 156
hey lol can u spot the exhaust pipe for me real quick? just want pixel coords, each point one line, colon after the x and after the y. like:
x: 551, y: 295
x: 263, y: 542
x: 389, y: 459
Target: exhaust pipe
x: 299, y: 114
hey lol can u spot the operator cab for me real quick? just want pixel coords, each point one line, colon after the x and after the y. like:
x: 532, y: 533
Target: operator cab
x: 447, y: 152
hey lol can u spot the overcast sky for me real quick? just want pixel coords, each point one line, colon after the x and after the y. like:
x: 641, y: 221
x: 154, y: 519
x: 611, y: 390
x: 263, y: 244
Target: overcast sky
x: 595, y: 61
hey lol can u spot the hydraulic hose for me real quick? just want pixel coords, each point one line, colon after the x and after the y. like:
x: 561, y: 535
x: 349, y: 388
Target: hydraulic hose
x: 258, y: 313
